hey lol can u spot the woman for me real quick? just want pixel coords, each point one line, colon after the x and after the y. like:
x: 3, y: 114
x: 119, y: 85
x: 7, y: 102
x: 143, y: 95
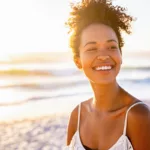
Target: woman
x: 112, y: 119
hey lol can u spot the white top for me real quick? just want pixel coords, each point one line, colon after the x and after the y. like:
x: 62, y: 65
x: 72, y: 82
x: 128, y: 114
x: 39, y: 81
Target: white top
x: 122, y: 143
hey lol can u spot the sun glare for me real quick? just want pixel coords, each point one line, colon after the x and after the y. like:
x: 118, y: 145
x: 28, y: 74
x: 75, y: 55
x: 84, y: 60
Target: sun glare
x: 4, y: 57
x: 42, y: 29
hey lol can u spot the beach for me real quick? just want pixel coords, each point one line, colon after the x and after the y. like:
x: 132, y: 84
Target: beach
x: 35, y: 133
x: 36, y: 102
x: 29, y: 127
x: 46, y: 133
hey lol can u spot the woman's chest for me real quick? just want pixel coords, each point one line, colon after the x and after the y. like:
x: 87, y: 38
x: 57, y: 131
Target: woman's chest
x: 101, y: 132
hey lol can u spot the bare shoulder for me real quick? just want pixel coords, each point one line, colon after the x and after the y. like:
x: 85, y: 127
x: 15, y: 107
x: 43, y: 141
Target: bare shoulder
x: 72, y: 124
x: 73, y: 120
x: 74, y: 114
x: 138, y: 128
x: 139, y: 111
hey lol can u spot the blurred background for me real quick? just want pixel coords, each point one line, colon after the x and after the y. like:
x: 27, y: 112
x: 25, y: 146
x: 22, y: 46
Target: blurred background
x: 39, y: 83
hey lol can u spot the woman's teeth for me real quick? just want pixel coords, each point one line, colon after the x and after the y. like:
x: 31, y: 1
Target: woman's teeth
x: 103, y: 68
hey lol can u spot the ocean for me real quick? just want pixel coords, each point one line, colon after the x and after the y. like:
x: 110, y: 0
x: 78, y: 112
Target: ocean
x: 62, y: 86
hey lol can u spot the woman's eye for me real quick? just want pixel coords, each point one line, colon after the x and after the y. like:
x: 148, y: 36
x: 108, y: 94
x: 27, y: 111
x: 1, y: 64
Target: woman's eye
x: 113, y: 47
x: 91, y: 49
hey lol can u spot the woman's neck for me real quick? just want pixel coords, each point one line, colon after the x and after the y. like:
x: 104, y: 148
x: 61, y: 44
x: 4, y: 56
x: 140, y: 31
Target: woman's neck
x: 106, y: 97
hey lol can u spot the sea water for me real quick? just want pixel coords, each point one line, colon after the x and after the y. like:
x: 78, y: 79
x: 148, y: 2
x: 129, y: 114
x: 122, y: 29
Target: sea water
x: 63, y: 87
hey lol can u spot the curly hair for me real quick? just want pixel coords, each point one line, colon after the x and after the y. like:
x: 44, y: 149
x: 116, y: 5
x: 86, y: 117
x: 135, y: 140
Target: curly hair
x: 96, y: 11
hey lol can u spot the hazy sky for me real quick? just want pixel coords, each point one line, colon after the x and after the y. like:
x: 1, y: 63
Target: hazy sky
x: 38, y: 25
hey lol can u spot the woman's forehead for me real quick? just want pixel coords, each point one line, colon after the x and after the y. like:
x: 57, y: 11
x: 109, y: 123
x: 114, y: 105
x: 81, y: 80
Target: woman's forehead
x: 98, y: 33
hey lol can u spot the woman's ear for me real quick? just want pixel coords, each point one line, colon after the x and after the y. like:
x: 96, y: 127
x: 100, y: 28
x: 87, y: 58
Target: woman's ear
x: 77, y: 61
x: 121, y: 59
x: 121, y: 56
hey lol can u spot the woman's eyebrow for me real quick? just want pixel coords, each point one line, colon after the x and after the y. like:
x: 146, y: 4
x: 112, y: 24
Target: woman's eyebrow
x: 111, y: 40
x: 93, y: 42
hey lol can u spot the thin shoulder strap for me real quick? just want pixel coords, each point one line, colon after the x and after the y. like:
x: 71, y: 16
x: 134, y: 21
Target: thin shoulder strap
x: 79, y: 109
x: 126, y: 117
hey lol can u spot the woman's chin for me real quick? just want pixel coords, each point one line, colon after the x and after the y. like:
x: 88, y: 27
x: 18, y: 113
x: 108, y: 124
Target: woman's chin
x: 103, y: 82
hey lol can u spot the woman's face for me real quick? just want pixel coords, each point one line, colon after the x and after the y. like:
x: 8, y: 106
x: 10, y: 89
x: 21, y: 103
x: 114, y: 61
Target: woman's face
x: 100, y: 57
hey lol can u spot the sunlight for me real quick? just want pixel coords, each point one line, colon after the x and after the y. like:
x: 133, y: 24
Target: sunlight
x: 4, y: 57
x: 42, y: 29
x: 13, y: 96
x: 38, y: 76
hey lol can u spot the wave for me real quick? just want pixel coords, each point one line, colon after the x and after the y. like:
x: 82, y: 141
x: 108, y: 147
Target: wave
x: 40, y: 98
x: 60, y: 78
x: 55, y: 69
x: 57, y: 85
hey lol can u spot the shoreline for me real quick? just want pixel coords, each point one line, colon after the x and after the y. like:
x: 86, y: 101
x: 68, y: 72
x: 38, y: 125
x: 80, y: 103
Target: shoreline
x: 41, y: 109
x: 37, y: 109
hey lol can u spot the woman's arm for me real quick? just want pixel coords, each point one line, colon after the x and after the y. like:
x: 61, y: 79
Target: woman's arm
x: 138, y: 128
x: 72, y: 125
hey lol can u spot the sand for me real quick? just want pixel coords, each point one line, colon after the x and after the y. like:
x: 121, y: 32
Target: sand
x: 35, y: 132
x: 46, y: 133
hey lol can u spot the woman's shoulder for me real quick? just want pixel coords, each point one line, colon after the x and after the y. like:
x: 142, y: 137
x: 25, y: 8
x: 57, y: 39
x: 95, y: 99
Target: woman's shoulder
x: 83, y: 109
x: 140, y: 112
x: 73, y: 120
x: 72, y: 124
x: 138, y: 125
x: 138, y: 107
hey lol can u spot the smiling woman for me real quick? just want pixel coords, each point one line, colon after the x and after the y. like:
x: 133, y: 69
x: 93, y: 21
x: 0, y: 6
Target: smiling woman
x: 99, y: 43
x: 111, y: 119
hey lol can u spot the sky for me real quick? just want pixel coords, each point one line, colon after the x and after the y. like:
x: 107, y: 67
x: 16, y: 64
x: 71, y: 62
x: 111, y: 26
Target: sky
x: 38, y: 25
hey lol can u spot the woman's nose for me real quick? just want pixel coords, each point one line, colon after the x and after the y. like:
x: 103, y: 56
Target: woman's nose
x: 103, y: 57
